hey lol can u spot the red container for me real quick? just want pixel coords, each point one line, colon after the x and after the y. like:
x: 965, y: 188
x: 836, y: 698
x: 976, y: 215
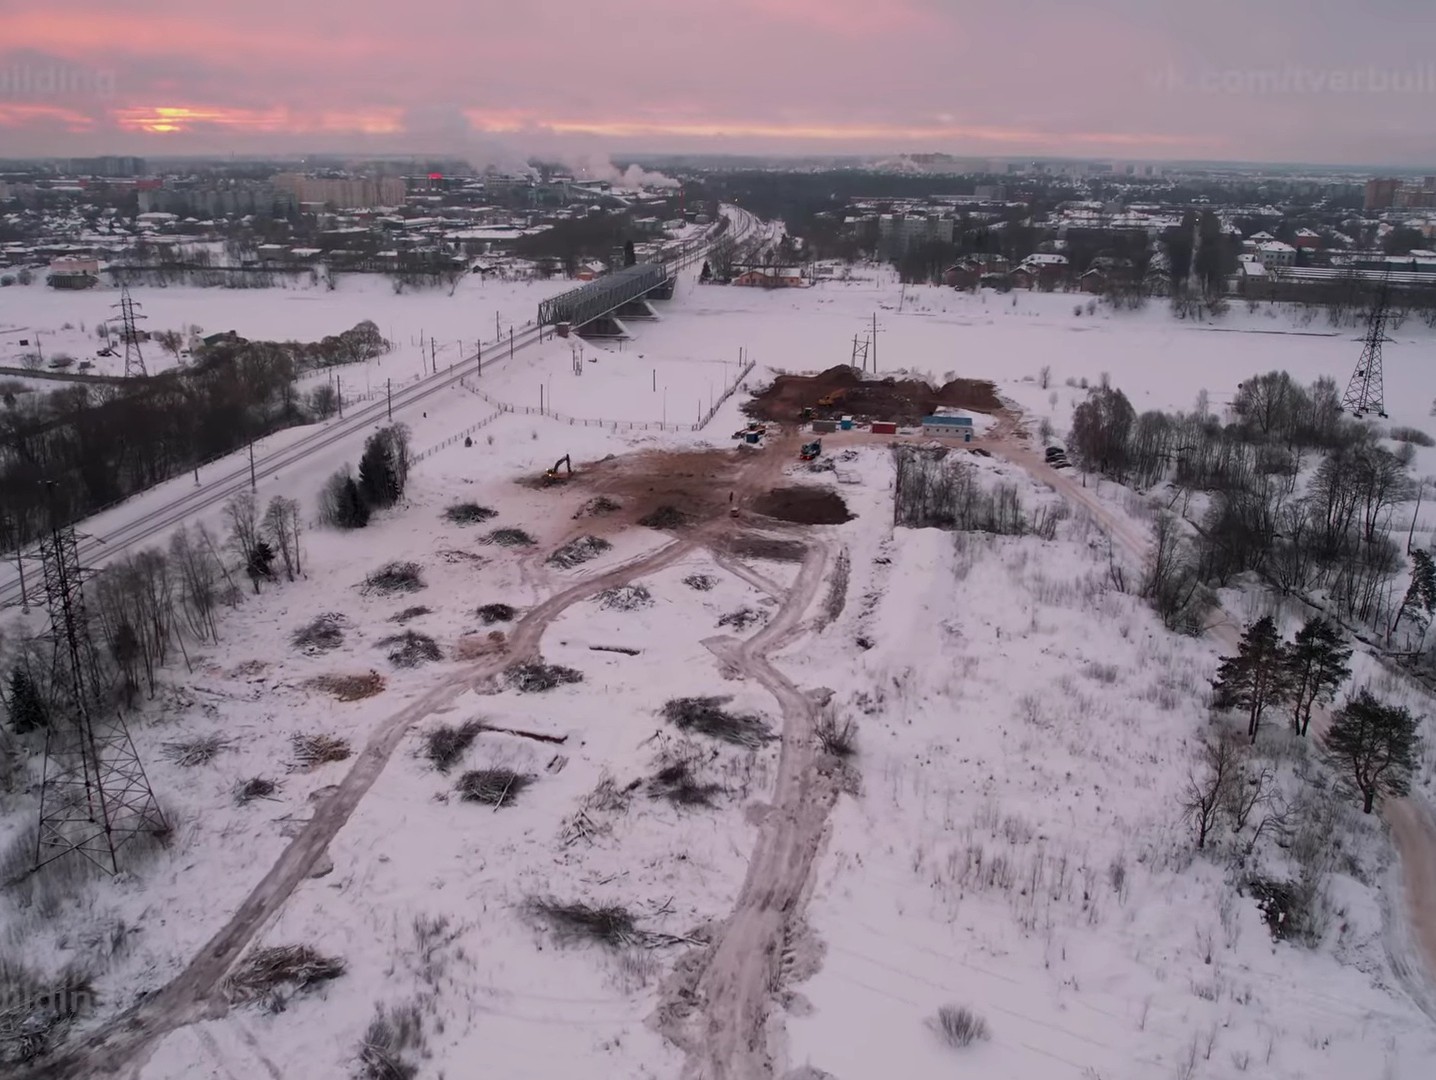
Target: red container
x: 884, y: 427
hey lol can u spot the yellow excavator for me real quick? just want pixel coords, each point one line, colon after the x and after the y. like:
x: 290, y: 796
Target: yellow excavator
x: 553, y: 476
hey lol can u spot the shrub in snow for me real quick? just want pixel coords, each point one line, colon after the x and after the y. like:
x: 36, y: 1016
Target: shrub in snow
x: 411, y: 648
x: 394, y: 577
x: 677, y: 781
x: 743, y: 618
x: 275, y: 974
x: 349, y: 687
x: 508, y: 538
x: 314, y: 750
x: 468, y: 513
x: 494, y: 613
x: 706, y: 716
x: 392, y: 1036
x: 199, y: 751
x: 578, y: 551
x: 959, y: 1026
x: 700, y: 582
x: 322, y: 633
x: 257, y: 788
x: 838, y: 738
x: 625, y: 598
x: 495, y: 787
x: 445, y: 744
x: 607, y: 924
x: 536, y: 677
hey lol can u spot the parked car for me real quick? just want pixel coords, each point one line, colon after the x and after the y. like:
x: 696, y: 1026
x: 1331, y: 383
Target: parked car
x: 1054, y: 452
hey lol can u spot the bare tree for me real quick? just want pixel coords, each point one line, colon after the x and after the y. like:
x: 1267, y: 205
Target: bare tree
x: 281, y: 527
x: 1208, y: 791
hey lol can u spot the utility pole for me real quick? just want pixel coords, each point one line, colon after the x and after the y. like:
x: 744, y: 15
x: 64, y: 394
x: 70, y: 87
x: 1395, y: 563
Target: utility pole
x: 253, y: 483
x: 433, y: 357
x: 389, y: 396
x: 340, y: 384
x: 875, y: 342
x: 541, y: 399
x: 511, y: 342
x: 498, y: 334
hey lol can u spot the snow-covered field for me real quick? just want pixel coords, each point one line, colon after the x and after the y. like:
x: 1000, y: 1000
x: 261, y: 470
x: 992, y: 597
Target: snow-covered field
x: 66, y: 320
x: 1008, y: 837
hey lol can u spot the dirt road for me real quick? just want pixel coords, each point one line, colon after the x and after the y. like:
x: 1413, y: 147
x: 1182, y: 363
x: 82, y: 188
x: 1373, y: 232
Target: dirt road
x: 727, y: 1036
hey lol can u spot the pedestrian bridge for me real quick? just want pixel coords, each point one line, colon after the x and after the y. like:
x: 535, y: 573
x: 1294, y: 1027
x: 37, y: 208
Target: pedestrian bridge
x: 607, y: 295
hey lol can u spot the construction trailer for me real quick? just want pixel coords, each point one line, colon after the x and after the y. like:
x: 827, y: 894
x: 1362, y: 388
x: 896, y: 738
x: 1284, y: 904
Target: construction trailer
x: 949, y: 427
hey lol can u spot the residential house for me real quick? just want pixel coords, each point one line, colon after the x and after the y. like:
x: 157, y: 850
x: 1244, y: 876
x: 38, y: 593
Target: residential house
x: 771, y: 277
x: 1276, y: 253
x: 1046, y: 269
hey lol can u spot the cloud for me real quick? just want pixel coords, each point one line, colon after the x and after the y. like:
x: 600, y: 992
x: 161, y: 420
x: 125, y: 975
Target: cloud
x: 499, y: 82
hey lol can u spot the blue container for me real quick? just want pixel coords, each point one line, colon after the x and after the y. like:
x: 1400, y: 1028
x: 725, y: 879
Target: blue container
x: 846, y: 423
x: 752, y: 437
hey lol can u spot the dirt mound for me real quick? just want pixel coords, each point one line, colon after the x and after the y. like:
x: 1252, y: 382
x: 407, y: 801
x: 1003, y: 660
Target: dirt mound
x: 804, y: 506
x: 902, y: 401
x: 664, y: 489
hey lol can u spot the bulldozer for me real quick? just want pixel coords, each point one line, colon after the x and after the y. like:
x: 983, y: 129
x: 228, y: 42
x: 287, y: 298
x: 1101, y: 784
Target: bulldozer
x: 553, y: 476
x: 810, y: 451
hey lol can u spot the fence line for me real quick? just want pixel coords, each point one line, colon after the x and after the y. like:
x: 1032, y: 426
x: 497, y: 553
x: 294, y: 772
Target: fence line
x: 614, y: 425
x: 432, y: 450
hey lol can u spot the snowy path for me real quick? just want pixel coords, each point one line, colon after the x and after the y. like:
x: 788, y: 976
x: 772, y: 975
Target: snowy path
x: 727, y: 1035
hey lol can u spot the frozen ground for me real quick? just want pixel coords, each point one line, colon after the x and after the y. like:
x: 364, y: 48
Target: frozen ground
x: 1010, y: 708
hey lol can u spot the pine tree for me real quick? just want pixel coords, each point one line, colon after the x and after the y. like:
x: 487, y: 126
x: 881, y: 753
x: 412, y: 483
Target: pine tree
x: 27, y: 710
x: 260, y: 563
x: 353, y: 510
x: 706, y: 274
x: 376, y: 474
x: 1316, y: 666
x: 1256, y: 678
x: 1375, y: 745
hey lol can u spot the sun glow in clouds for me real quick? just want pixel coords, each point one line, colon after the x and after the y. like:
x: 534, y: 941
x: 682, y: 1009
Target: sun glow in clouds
x: 177, y: 119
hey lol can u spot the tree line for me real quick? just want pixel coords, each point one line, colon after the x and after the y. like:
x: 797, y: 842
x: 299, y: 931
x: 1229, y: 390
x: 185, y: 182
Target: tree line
x: 152, y: 605
x: 68, y: 453
x: 1236, y: 502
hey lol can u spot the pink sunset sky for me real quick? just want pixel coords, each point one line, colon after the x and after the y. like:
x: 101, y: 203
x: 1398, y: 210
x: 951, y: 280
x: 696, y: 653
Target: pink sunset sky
x: 1280, y: 80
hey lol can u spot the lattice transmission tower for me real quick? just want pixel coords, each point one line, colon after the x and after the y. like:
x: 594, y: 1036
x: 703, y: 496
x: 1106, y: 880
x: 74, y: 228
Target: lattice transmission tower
x: 134, y: 357
x: 1365, y: 393
x: 94, y: 797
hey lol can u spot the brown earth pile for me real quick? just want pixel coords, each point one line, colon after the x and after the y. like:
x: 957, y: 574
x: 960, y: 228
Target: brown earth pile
x: 902, y: 401
x: 804, y: 506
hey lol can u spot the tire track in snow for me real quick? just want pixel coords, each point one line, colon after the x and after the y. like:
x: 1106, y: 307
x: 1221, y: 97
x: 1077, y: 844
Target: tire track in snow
x: 721, y: 1013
